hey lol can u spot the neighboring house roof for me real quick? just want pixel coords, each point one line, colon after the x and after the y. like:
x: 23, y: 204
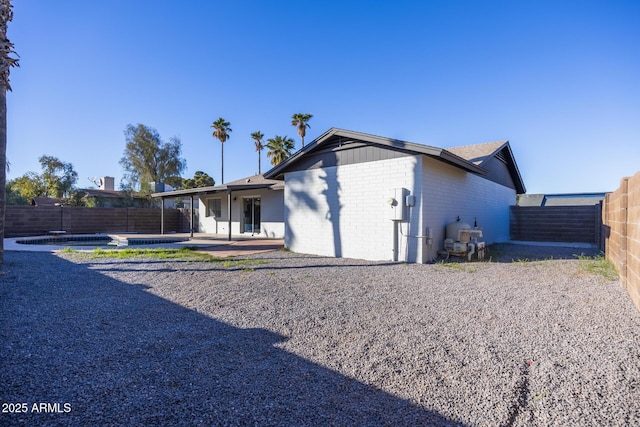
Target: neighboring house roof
x: 46, y: 201
x: 339, y: 146
x: 566, y: 199
x: 96, y: 192
x: 530, y: 200
x: 249, y: 183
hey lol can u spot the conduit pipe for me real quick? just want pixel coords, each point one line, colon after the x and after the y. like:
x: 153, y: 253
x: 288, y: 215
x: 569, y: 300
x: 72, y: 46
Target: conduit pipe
x: 427, y: 236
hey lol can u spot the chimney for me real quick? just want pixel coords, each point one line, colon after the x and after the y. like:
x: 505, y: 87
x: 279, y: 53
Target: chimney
x: 107, y: 183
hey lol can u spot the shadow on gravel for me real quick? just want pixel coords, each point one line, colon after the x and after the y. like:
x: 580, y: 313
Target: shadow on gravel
x: 242, y: 263
x: 99, y: 351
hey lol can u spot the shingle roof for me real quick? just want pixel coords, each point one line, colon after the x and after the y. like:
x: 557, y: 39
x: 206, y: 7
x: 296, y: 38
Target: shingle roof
x: 477, y: 153
x: 469, y: 157
x: 256, y: 180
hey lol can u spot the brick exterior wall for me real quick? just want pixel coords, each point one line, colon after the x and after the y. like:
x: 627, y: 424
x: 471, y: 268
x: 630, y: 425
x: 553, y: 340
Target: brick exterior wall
x: 344, y: 211
x: 451, y: 192
x: 621, y: 218
x: 39, y: 220
x: 556, y: 223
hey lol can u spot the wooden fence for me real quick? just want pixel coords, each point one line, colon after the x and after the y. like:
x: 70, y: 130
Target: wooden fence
x: 39, y: 220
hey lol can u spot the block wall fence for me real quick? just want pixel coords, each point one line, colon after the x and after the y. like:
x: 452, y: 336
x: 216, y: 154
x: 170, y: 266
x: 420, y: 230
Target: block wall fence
x: 39, y: 220
x: 556, y: 223
x: 621, y: 224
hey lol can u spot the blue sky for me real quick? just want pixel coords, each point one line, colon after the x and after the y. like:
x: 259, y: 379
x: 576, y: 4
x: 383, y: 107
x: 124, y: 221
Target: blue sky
x: 559, y: 79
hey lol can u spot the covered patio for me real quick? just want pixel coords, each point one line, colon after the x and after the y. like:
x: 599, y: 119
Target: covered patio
x: 244, y: 208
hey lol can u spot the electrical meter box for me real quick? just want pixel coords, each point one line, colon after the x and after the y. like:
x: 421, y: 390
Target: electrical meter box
x: 397, y: 204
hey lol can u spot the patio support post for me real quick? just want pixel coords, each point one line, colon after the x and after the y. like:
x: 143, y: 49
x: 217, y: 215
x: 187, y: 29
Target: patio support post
x: 229, y: 211
x: 162, y: 216
x: 192, y: 216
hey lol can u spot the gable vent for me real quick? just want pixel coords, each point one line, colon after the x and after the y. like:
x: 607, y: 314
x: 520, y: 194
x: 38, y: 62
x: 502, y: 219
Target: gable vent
x: 500, y: 156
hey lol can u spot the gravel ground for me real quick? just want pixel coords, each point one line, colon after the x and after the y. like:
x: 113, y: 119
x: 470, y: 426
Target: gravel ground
x: 288, y: 339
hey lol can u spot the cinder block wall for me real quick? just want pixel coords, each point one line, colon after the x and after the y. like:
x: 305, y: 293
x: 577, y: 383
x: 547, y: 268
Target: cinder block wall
x: 39, y: 220
x: 621, y: 218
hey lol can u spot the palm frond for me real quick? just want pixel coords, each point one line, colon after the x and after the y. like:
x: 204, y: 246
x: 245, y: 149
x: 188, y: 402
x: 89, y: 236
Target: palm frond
x: 6, y: 47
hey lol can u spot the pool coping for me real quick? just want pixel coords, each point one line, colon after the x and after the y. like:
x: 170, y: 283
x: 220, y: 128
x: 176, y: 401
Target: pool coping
x: 199, y: 240
x: 13, y: 244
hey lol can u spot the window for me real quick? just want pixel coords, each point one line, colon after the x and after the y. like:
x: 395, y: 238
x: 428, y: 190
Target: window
x: 214, y: 208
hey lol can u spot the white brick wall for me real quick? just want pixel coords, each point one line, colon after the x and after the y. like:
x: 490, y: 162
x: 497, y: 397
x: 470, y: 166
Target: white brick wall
x: 343, y: 211
x: 451, y: 192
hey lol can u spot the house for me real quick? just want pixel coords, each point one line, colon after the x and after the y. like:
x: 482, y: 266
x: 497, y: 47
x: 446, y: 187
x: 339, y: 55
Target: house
x: 106, y: 196
x: 252, y: 206
x: 351, y: 194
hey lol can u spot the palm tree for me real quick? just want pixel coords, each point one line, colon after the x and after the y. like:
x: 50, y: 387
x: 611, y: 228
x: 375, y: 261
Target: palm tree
x: 257, y: 138
x: 280, y: 149
x: 221, y: 132
x: 6, y: 62
x: 300, y: 122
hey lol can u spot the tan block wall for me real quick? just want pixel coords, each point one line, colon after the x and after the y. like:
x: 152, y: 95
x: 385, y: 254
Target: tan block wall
x: 621, y: 219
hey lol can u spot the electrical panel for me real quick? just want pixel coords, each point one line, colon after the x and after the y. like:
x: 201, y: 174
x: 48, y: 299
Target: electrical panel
x: 397, y: 204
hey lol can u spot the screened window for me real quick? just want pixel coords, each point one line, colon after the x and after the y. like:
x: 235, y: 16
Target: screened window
x: 214, y: 208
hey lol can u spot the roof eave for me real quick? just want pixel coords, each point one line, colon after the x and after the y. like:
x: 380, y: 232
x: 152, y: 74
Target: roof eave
x: 190, y: 191
x: 218, y: 189
x: 461, y: 163
x: 520, y: 187
x: 438, y: 153
x: 275, y: 172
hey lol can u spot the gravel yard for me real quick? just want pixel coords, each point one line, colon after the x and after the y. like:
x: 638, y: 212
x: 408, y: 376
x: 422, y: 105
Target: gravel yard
x: 288, y: 339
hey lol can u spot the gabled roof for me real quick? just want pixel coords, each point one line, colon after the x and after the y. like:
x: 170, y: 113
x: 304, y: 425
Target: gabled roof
x: 249, y: 183
x: 478, y: 159
x: 392, y: 144
x: 482, y: 154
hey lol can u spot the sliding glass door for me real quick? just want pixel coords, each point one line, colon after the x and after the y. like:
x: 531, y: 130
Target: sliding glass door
x: 251, y: 215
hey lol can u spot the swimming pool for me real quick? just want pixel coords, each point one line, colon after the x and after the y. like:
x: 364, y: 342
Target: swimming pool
x: 96, y: 240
